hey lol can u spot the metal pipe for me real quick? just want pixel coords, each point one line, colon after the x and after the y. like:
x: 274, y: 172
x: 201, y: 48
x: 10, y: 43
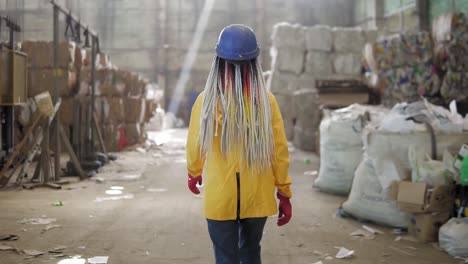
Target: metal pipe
x: 93, y: 91
x: 57, y: 72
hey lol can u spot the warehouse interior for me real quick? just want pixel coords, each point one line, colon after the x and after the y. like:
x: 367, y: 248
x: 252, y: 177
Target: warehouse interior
x: 96, y: 98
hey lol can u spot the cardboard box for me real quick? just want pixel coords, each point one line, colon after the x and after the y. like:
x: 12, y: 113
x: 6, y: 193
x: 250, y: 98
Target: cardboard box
x: 425, y: 227
x: 418, y: 197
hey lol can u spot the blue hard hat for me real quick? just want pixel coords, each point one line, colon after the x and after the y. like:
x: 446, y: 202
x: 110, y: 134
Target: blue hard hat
x: 237, y: 43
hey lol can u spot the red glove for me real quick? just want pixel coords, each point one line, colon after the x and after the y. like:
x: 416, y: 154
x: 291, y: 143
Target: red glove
x: 285, y: 209
x: 192, y: 183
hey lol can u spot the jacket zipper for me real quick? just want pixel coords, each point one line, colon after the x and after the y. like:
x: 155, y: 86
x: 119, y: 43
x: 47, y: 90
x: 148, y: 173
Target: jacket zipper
x: 238, y: 194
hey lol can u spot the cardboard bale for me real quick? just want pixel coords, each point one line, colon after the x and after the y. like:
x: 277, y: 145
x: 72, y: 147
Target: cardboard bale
x: 419, y: 197
x: 80, y: 57
x: 41, y: 54
x: 114, y: 137
x: 67, y: 110
x: 102, y: 61
x: 282, y: 82
x: 288, y: 60
x: 135, y: 85
x: 347, y: 64
x: 286, y: 35
x: 41, y: 80
x: 425, y: 227
x: 348, y: 40
x: 151, y: 106
x: 111, y: 109
x: 135, y: 110
x: 84, y: 78
x: 318, y: 63
x: 110, y: 82
x: 133, y: 133
x: 319, y: 37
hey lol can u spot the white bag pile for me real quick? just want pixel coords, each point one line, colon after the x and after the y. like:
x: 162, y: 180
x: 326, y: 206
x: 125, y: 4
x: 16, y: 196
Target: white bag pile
x: 453, y: 237
x: 386, y: 160
x: 300, y: 55
x: 341, y: 146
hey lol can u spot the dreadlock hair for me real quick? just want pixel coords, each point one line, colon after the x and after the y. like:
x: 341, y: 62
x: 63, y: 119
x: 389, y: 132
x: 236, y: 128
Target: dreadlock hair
x: 245, y: 127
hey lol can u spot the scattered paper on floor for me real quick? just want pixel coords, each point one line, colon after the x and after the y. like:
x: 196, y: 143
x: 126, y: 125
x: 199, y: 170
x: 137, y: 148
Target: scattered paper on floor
x: 98, y: 260
x: 344, y: 253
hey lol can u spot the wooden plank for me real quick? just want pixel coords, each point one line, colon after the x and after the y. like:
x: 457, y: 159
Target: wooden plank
x: 32, y: 153
x: 12, y: 164
x: 99, y: 133
x: 45, y: 155
x: 72, y: 154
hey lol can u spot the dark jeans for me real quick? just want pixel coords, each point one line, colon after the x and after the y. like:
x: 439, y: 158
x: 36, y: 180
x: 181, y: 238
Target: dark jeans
x: 237, y: 241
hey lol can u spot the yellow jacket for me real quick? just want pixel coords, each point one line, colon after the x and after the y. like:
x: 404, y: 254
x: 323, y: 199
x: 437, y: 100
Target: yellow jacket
x: 225, y: 180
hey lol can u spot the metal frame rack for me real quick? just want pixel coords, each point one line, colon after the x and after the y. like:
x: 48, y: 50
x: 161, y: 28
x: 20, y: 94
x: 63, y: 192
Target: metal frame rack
x: 87, y: 155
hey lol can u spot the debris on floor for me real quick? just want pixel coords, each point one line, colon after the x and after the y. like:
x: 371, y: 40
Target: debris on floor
x: 402, y: 251
x: 156, y: 190
x: 344, y: 253
x: 99, y: 180
x: 141, y: 150
x: 372, y: 230
x: 114, y: 192
x: 73, y: 260
x: 37, y: 221
x: 8, y: 248
x: 311, y: 173
x: 57, y: 250
x: 362, y: 233
x: 98, y: 260
x: 49, y: 227
x: 115, y: 198
x: 398, y: 231
x: 8, y: 237
x: 57, y: 203
x: 33, y: 252
x: 464, y: 259
x: 318, y: 262
x: 406, y: 238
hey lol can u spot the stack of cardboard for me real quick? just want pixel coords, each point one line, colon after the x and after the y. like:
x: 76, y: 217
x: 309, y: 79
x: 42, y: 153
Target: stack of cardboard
x: 120, y: 102
x: 120, y: 105
x: 430, y: 207
x: 41, y: 67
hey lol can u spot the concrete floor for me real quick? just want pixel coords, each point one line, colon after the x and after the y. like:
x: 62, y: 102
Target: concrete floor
x: 163, y: 222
